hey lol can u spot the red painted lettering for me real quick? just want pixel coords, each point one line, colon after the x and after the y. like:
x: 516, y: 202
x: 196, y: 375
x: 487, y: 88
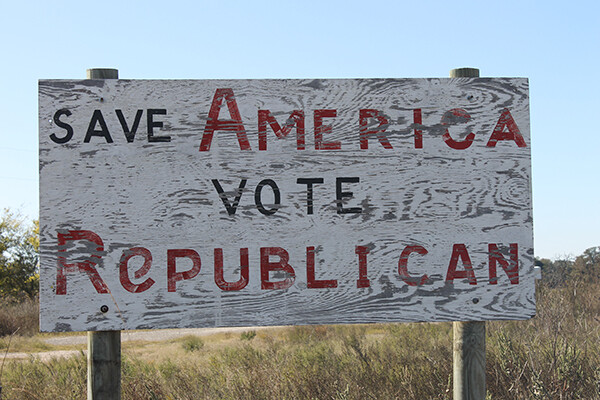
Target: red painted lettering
x: 364, y: 116
x: 321, y: 129
x: 452, y: 117
x: 86, y: 266
x: 296, y: 118
x: 267, y: 266
x: 143, y: 270
x: 312, y: 283
x: 172, y: 275
x: 510, y: 267
x: 214, y: 124
x: 506, y: 129
x: 403, y: 269
x: 418, y: 121
x: 460, y: 251
x: 244, y: 273
x: 362, y: 281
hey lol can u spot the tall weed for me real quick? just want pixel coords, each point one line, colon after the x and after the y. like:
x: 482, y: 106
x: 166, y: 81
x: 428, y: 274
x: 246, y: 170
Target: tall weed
x: 553, y: 356
x: 19, y: 316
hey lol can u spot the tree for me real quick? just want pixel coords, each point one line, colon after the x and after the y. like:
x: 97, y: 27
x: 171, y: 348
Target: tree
x: 556, y: 273
x: 19, y: 260
x: 587, y: 265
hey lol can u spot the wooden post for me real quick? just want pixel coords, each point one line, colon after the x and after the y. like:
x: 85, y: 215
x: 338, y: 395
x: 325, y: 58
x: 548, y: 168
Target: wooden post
x: 469, y: 337
x: 104, y: 365
x: 464, y: 73
x: 104, y: 347
x: 102, y: 73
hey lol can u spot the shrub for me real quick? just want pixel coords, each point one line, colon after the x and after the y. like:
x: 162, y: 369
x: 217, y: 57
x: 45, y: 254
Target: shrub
x: 19, y: 246
x: 192, y: 343
x: 249, y: 335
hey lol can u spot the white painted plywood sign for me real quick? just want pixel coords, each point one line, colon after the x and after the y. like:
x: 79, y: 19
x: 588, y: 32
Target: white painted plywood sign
x: 269, y: 202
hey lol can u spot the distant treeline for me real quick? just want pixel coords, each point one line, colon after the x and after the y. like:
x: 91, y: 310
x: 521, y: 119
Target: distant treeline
x: 563, y: 270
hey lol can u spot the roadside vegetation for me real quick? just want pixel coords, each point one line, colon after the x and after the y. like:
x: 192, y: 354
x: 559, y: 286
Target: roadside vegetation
x: 556, y: 355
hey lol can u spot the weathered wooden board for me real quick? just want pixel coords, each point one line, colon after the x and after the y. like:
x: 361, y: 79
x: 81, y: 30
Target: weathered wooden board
x: 432, y: 183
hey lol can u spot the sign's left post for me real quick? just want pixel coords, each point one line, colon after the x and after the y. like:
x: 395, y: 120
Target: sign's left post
x: 104, y: 347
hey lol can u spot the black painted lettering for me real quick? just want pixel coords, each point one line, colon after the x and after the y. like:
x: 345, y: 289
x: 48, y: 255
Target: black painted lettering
x: 309, y: 182
x: 258, y: 200
x: 340, y: 196
x: 129, y: 134
x: 63, y: 125
x: 97, y: 118
x: 231, y: 208
x: 155, y: 124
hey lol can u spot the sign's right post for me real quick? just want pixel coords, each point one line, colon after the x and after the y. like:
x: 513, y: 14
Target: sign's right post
x: 469, y: 337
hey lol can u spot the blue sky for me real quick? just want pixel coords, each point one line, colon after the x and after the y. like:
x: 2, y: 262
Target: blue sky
x: 555, y: 44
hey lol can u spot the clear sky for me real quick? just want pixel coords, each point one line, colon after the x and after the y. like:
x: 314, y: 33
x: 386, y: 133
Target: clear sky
x: 556, y: 44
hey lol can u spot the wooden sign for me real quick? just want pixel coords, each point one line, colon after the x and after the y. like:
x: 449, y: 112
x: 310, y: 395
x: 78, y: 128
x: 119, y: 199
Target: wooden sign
x: 271, y: 202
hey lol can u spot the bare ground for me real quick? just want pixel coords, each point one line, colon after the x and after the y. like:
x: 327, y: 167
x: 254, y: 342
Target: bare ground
x: 146, y: 336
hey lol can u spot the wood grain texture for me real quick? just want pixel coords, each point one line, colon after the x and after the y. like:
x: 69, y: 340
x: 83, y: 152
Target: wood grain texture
x: 160, y: 196
x: 104, y: 365
x: 102, y: 73
x: 469, y: 360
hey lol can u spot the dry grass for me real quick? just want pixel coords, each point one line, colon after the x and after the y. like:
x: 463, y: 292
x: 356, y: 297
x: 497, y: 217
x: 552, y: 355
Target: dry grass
x: 21, y: 317
x: 24, y: 344
x: 554, y: 356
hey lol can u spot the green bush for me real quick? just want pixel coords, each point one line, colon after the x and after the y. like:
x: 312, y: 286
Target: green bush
x: 192, y: 343
x: 19, y: 245
x: 249, y: 335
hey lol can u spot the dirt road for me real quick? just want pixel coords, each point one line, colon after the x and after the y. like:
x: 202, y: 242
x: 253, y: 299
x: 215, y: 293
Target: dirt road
x: 147, y: 336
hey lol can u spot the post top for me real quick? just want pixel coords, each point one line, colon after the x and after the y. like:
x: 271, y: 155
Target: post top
x: 102, y: 73
x: 464, y: 73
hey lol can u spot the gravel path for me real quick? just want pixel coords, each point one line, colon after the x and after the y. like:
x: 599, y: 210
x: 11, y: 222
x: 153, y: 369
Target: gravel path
x: 159, y: 335
x: 44, y: 355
